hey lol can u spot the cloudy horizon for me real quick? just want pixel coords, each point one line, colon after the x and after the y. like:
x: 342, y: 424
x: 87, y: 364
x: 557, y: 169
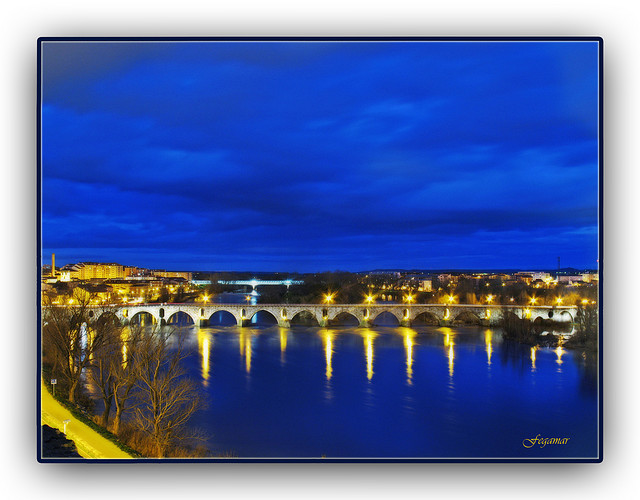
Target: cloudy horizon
x: 318, y: 156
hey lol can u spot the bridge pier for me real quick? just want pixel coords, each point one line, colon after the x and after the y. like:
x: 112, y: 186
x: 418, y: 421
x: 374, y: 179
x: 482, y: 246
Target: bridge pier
x: 405, y: 323
x: 284, y: 323
x: 202, y: 322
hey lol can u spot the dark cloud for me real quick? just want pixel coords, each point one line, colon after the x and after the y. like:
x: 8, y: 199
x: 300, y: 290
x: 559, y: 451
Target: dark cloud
x: 320, y: 156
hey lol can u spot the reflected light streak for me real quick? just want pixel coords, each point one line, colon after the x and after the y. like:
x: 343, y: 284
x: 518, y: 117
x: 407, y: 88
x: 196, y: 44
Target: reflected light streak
x: 559, y: 353
x: 205, y: 361
x: 488, y: 337
x: 327, y: 338
x: 451, y: 356
x: 124, y: 338
x: 204, y: 345
x: 408, y: 344
x: 245, y: 349
x: 91, y: 334
x: 533, y: 357
x: 283, y: 343
x: 448, y: 342
x: 247, y: 354
x: 368, y: 342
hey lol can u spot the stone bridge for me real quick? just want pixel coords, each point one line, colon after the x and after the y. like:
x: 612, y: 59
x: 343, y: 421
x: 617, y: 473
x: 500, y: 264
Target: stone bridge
x: 366, y: 315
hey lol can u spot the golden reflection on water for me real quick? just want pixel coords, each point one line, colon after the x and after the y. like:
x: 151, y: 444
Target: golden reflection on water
x: 327, y: 341
x: 559, y: 353
x: 244, y: 341
x: 283, y: 343
x: 448, y: 342
x: 125, y: 336
x: 204, y: 346
x: 488, y: 338
x: 369, y: 335
x: 409, y: 342
x: 90, y: 337
x: 533, y: 357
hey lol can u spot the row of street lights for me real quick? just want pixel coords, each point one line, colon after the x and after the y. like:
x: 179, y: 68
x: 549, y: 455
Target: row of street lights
x: 329, y: 298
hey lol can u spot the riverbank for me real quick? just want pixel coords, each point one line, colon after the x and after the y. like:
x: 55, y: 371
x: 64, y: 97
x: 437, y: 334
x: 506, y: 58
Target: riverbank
x: 89, y: 443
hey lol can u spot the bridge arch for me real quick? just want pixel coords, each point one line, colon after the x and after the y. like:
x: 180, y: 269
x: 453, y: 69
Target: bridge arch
x: 181, y: 318
x: 506, y: 315
x: 386, y: 318
x: 345, y: 318
x: 223, y: 318
x: 263, y: 317
x: 142, y: 318
x: 304, y: 318
x: 108, y: 318
x: 467, y: 318
x: 426, y: 318
x: 564, y: 315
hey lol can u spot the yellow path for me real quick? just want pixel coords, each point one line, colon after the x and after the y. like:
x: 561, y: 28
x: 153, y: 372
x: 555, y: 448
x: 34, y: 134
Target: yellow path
x: 89, y: 443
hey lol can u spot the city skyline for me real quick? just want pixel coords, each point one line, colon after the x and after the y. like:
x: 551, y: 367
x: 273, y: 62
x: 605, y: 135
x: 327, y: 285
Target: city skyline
x: 563, y: 269
x: 318, y: 156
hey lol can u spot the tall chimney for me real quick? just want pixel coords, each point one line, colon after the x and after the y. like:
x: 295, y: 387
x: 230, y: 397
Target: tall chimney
x: 53, y: 264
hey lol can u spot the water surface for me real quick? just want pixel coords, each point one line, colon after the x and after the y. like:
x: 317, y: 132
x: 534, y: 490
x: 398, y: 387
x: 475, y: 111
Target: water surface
x: 424, y: 392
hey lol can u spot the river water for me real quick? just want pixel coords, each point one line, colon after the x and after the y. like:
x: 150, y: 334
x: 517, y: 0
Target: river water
x: 390, y: 392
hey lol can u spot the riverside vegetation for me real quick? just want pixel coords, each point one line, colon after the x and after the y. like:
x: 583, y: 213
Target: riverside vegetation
x: 136, y: 375
x: 526, y: 331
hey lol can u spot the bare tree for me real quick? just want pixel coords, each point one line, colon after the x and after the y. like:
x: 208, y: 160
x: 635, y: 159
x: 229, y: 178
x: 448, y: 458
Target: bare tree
x: 68, y: 336
x: 166, y: 399
x: 106, y: 357
x: 125, y: 371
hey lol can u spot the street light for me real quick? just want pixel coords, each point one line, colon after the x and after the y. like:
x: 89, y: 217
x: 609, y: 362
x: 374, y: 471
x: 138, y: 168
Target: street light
x: 533, y: 300
x: 328, y: 298
x: 451, y: 299
x: 489, y: 299
x: 408, y: 298
x: 369, y: 298
x: 559, y: 301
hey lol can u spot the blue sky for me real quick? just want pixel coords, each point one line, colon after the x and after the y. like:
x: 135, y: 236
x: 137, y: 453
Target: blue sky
x: 314, y: 156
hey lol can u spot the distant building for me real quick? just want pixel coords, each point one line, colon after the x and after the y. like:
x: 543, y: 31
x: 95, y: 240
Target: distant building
x: 524, y: 277
x: 569, y: 280
x: 425, y: 286
x: 173, y: 274
x: 540, y: 276
x: 93, y: 270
